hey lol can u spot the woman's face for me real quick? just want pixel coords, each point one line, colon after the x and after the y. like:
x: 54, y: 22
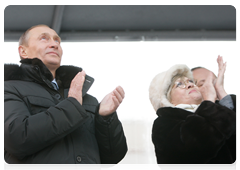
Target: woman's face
x: 184, y: 91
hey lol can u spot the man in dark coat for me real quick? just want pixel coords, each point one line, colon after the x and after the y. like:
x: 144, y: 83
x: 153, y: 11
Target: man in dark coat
x: 47, y: 116
x: 229, y: 101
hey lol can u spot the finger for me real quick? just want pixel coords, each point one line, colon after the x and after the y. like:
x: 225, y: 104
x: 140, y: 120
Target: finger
x: 214, y: 81
x: 80, y: 75
x: 83, y: 77
x: 120, y: 91
x: 224, y: 67
x: 220, y: 62
x: 218, y: 59
x: 116, y: 102
x: 75, y: 79
x: 209, y: 79
x: 221, y: 67
x: 222, y: 70
x: 118, y: 96
x: 83, y: 73
x: 78, y: 79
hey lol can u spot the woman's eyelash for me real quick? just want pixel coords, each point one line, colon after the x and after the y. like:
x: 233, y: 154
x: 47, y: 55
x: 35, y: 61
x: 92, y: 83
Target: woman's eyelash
x: 191, y: 81
x: 179, y: 83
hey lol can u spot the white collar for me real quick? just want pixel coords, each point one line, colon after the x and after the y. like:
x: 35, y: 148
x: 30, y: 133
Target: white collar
x: 54, y: 81
x: 188, y: 107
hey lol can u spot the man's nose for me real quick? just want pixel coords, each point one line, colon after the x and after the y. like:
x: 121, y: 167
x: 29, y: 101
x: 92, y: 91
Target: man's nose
x: 54, y: 44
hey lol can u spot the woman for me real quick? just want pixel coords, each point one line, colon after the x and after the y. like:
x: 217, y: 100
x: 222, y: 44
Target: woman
x: 191, y: 127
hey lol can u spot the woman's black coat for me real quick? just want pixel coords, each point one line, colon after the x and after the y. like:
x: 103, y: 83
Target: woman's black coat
x: 207, y: 136
x: 43, y: 125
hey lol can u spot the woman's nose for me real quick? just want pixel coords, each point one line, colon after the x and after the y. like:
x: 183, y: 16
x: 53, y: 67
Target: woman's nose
x: 190, y: 85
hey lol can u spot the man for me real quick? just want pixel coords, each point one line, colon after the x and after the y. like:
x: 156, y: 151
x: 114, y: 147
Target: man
x: 47, y: 117
x: 200, y: 74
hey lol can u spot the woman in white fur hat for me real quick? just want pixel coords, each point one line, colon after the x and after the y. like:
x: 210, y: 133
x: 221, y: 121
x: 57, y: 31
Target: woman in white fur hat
x: 191, y: 127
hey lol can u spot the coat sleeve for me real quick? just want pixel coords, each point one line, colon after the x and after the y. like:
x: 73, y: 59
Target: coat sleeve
x: 233, y: 96
x: 195, y: 139
x: 26, y: 134
x: 232, y: 140
x: 111, y: 139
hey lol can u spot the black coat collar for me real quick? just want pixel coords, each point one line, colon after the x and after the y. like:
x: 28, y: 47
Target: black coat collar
x: 35, y: 70
x: 173, y: 113
x: 27, y: 71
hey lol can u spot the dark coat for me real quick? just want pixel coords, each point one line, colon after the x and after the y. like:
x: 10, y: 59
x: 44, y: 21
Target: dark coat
x: 43, y: 125
x: 207, y: 136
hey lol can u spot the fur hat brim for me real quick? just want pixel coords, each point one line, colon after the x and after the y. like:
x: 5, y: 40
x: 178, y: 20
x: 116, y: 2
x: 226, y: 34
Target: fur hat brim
x: 161, y: 82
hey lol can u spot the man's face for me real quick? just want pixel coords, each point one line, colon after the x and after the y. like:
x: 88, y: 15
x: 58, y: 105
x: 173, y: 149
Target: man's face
x: 44, y: 44
x: 200, y: 76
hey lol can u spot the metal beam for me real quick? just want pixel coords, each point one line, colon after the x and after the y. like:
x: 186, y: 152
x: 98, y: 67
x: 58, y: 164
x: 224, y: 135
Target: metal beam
x: 12, y: 36
x: 57, y: 18
x: 200, y: 35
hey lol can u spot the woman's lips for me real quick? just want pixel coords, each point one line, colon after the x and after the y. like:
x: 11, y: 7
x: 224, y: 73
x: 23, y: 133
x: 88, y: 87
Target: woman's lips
x: 192, y: 91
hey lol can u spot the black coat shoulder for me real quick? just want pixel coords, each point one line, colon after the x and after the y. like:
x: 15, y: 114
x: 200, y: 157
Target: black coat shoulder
x: 183, y: 137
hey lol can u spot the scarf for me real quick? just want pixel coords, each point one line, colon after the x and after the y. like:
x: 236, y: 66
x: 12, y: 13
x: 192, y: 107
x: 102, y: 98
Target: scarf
x: 188, y: 107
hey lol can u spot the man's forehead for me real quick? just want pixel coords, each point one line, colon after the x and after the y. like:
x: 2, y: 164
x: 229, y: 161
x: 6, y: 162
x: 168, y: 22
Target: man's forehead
x: 42, y: 30
x: 201, y: 72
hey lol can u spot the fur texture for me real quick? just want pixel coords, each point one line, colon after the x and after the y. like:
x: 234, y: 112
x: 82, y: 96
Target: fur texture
x: 207, y: 136
x: 64, y: 74
x: 161, y: 82
x: 12, y: 72
x: 15, y: 72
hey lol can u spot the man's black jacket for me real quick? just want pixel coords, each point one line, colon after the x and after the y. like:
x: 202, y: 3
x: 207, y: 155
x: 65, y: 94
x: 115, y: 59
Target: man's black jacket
x: 43, y: 125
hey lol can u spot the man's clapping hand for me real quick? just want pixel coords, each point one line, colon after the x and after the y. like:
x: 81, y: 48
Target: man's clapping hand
x: 76, y: 86
x: 110, y: 102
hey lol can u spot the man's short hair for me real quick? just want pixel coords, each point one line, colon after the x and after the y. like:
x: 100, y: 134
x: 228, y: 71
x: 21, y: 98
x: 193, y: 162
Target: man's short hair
x: 23, y: 40
x: 195, y: 68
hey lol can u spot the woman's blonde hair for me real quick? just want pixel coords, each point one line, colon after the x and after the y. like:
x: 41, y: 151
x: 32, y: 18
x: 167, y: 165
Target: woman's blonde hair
x: 174, y: 79
x: 162, y: 84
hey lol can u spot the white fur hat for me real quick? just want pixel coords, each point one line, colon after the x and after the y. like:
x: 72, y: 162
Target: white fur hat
x: 161, y: 82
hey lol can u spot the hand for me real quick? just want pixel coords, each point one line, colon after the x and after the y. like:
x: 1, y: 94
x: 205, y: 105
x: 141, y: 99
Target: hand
x: 219, y: 86
x: 110, y: 102
x: 76, y: 86
x: 207, y: 90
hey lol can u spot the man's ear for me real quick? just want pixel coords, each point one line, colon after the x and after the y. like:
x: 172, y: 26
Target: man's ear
x: 22, y: 50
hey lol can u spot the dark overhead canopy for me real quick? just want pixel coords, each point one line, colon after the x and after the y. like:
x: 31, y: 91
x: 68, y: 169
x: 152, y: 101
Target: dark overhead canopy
x: 125, y: 22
